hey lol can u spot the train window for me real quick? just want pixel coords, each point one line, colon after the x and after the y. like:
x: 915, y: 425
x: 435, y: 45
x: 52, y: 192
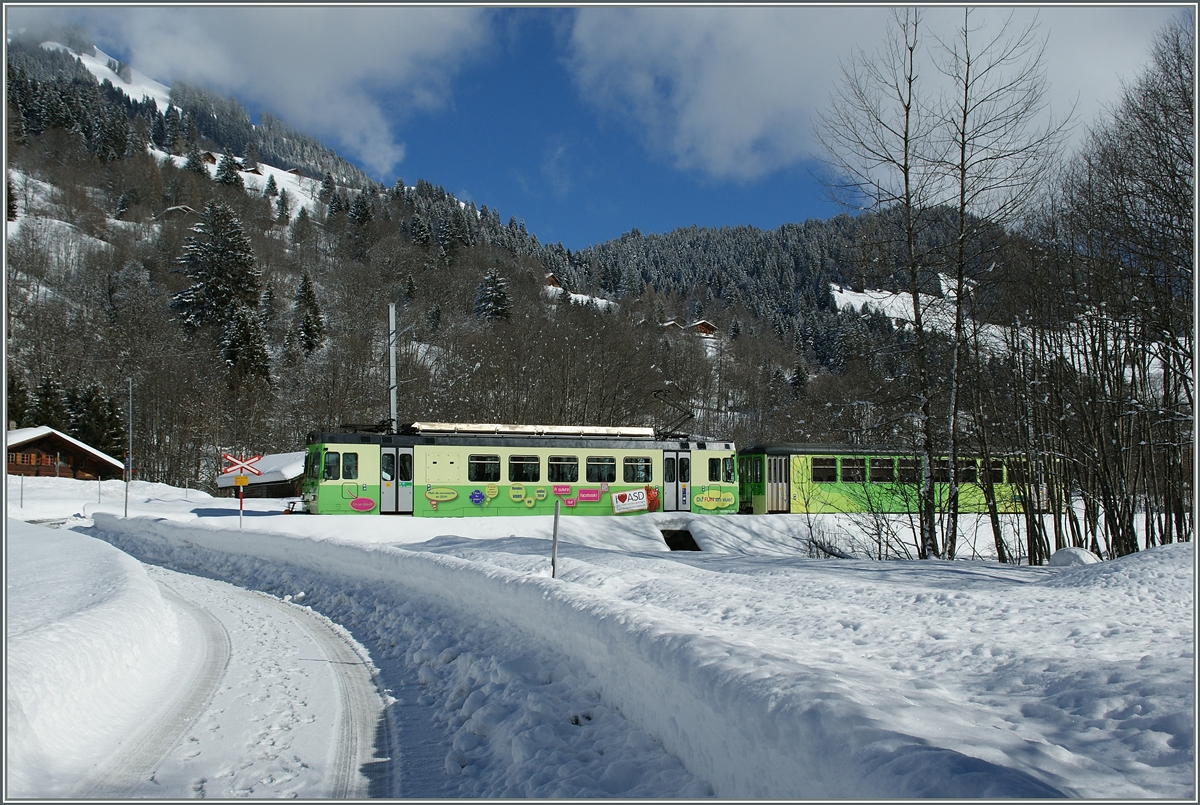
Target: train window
x: 349, y: 466
x: 639, y: 470
x: 524, y: 469
x: 332, y: 464
x: 601, y: 469
x: 758, y: 470
x: 910, y: 470
x: 483, y: 469
x: 685, y: 469
x: 994, y: 473
x: 730, y: 470
x: 854, y: 470
x: 824, y: 469
x: 714, y: 470
x: 312, y: 465
x: 387, y: 467
x: 968, y: 471
x: 1018, y: 472
x: 405, y: 471
x: 882, y: 471
x: 941, y: 471
x: 668, y: 470
x: 562, y: 469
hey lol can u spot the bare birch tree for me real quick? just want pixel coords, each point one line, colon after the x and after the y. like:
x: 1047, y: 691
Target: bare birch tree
x: 878, y: 138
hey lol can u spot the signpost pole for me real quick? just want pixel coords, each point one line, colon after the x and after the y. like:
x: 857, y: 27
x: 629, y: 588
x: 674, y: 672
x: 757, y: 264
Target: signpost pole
x: 554, y: 543
x: 241, y: 499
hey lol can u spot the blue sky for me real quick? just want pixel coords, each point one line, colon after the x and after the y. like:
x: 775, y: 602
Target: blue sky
x: 584, y: 122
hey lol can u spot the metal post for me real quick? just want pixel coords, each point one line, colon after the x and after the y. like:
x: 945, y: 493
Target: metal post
x: 554, y: 543
x: 99, y: 487
x: 22, y: 491
x: 129, y: 455
x: 392, y: 359
x: 241, y: 498
x: 57, y: 462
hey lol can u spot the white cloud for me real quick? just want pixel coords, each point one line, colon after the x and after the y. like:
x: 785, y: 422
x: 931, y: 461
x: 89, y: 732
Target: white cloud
x: 732, y: 92
x: 345, y: 75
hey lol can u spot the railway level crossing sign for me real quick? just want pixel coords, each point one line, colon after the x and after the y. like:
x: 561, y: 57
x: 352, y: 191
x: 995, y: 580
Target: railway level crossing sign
x: 241, y: 480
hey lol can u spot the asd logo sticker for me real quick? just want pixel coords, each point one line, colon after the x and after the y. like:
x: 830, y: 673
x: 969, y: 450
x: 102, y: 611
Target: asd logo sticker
x: 633, y: 500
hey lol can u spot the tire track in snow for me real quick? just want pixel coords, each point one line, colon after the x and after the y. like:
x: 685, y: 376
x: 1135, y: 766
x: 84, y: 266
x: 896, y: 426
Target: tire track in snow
x: 359, y: 768
x: 140, y: 756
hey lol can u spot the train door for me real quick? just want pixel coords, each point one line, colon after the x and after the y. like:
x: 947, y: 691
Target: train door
x: 677, y: 478
x: 778, y: 494
x: 395, y: 480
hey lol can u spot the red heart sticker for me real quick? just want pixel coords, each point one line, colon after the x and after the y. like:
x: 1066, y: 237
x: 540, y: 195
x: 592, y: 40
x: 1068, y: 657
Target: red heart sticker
x: 622, y: 497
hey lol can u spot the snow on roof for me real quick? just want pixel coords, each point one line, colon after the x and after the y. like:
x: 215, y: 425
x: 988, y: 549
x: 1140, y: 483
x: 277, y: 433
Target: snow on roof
x: 274, y: 467
x: 20, y: 436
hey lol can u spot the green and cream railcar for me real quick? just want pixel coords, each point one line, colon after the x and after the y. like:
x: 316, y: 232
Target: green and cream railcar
x: 468, y: 470
x: 848, y: 479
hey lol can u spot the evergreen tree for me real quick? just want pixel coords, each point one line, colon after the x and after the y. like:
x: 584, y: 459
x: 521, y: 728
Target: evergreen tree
x: 50, y: 405
x: 17, y: 397
x: 244, y: 345
x: 419, y: 230
x: 302, y: 226
x: 328, y: 188
x: 360, y: 210
x: 309, y: 324
x: 10, y: 199
x: 271, y: 189
x: 220, y: 262
x: 195, y: 160
x: 172, y: 130
x: 283, y: 207
x: 491, y: 297
x: 250, y: 160
x: 95, y: 419
x: 227, y: 173
x: 158, y: 129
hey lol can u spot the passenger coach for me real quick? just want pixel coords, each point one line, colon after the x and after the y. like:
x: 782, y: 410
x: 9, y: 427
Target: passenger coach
x: 464, y: 470
x: 847, y: 479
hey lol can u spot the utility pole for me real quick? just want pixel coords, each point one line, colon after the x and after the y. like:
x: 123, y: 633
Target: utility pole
x: 393, y: 384
x: 392, y: 359
x: 129, y: 454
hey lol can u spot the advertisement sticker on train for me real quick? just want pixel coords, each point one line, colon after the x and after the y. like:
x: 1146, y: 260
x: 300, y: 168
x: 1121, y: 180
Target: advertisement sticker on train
x: 633, y: 500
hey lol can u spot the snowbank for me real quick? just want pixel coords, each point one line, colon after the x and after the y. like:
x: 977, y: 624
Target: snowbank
x: 750, y: 722
x: 89, y: 642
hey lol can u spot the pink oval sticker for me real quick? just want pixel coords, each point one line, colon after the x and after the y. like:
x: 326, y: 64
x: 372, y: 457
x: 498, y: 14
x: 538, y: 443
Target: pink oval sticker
x: 362, y: 504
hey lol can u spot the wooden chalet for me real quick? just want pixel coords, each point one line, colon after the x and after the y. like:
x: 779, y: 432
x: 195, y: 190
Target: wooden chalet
x: 45, y: 451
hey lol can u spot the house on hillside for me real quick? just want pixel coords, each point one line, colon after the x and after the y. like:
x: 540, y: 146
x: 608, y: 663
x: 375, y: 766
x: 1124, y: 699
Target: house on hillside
x: 282, y: 475
x: 209, y: 157
x: 704, y: 327
x: 552, y: 281
x: 47, y: 452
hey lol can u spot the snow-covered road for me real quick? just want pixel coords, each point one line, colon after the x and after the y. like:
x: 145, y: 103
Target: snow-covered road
x: 265, y: 698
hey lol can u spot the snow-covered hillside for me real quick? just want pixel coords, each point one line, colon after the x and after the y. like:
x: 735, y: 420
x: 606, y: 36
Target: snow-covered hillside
x: 742, y: 671
x: 136, y: 84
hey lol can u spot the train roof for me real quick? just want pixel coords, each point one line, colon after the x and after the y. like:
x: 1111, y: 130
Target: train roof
x: 492, y: 429
x: 506, y: 439
x: 807, y: 449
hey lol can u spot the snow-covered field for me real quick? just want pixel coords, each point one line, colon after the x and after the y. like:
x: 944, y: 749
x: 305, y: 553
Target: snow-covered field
x: 743, y: 671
